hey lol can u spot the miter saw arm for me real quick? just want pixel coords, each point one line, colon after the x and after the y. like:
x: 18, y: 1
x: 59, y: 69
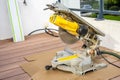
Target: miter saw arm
x: 71, y: 29
x: 74, y: 27
x: 67, y: 25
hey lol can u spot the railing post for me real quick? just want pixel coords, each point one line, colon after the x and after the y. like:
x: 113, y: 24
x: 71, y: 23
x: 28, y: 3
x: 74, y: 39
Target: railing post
x: 100, y: 15
x: 59, y: 1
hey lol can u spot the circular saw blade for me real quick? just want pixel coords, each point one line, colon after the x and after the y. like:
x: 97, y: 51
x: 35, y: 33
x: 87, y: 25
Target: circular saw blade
x: 67, y: 37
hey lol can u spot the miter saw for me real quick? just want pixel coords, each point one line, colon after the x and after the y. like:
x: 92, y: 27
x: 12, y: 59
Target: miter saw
x: 71, y: 29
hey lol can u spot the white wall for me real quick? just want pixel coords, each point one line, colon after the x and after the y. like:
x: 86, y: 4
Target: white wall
x: 33, y: 17
x: 5, y: 30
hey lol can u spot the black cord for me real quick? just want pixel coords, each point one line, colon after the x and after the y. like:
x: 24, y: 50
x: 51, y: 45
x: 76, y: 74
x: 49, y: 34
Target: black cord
x: 49, y: 31
x: 110, y: 53
x: 109, y: 61
x: 35, y: 31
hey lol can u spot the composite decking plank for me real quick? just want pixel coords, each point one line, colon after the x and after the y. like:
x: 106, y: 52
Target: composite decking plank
x: 7, y: 67
x: 115, y: 78
x: 24, y: 48
x: 11, y: 61
x: 12, y: 54
x: 23, y: 76
x: 19, y: 59
x: 29, y: 39
x: 11, y: 66
x: 16, y: 47
x: 22, y: 51
x: 11, y: 73
x: 7, y: 42
x: 10, y: 46
x: 117, y: 62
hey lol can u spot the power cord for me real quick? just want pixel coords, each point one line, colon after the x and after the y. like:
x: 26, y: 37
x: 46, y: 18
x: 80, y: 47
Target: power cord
x: 48, y: 31
x: 35, y: 31
x: 109, y: 61
x: 109, y: 53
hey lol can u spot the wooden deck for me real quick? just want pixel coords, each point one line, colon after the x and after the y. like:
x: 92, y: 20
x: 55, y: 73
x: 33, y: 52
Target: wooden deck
x: 12, y: 54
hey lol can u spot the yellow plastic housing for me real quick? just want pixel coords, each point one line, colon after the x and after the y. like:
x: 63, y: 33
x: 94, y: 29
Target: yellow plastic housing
x: 70, y: 26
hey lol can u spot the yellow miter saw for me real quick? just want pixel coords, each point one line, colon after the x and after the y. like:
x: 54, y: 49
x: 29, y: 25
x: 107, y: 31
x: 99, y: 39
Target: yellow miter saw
x: 71, y: 29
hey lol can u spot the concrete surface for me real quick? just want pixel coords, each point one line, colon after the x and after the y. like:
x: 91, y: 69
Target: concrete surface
x: 111, y: 29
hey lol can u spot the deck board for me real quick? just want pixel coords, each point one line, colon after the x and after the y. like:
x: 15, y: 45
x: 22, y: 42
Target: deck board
x: 11, y: 73
x: 23, y: 76
x: 25, y: 46
x: 27, y: 50
x: 12, y: 54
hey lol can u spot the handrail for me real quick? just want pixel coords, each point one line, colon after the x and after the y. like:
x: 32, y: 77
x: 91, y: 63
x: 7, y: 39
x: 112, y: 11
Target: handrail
x: 97, y: 11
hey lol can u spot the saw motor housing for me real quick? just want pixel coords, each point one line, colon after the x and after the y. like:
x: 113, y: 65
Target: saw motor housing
x: 73, y: 28
x: 80, y: 31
